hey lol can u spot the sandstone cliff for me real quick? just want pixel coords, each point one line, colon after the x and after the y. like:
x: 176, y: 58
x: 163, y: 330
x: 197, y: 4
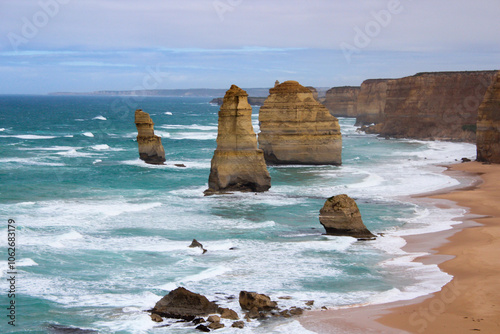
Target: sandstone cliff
x: 432, y: 106
x: 150, y: 147
x: 297, y: 129
x: 488, y: 125
x: 341, y: 101
x: 237, y: 164
x: 340, y: 216
x: 371, y: 101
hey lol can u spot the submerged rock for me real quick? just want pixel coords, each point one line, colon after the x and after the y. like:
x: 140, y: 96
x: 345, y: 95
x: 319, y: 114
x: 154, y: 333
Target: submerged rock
x: 237, y: 164
x: 184, y: 304
x: 341, y: 217
x: 297, y: 129
x: 150, y: 147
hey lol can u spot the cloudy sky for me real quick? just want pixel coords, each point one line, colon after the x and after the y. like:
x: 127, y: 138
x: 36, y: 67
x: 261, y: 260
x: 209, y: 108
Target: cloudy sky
x: 88, y: 45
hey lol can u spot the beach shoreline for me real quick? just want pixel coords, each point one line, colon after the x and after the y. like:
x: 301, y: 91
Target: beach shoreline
x: 466, y: 251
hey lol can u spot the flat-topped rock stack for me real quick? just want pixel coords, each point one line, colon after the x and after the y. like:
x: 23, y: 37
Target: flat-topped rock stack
x: 237, y: 164
x: 297, y: 129
x: 150, y: 146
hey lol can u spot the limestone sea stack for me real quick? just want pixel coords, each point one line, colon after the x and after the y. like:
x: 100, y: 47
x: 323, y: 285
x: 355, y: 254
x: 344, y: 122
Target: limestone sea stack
x: 150, y: 147
x: 340, y: 216
x: 297, y: 129
x: 237, y: 164
x: 488, y: 125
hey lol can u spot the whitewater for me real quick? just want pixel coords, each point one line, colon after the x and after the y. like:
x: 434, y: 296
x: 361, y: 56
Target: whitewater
x: 102, y: 236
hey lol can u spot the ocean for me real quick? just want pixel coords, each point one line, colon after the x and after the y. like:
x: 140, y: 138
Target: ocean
x: 100, y: 236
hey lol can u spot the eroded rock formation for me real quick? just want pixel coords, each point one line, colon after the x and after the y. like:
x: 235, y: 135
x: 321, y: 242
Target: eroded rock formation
x: 340, y: 216
x: 297, y: 129
x: 341, y: 101
x: 150, y: 147
x: 237, y: 164
x: 371, y: 101
x: 488, y: 125
x: 431, y: 106
x: 184, y: 304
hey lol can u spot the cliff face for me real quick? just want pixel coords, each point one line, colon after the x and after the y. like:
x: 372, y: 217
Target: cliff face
x: 297, y: 129
x: 150, y: 147
x: 237, y: 164
x: 341, y: 101
x: 434, y: 106
x: 371, y: 101
x: 488, y: 125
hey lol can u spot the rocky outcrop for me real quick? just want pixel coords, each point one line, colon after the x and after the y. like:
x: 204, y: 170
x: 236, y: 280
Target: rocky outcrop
x: 433, y: 106
x: 488, y: 125
x: 237, y: 164
x: 184, y: 304
x: 297, y: 129
x: 341, y: 101
x: 150, y: 147
x: 371, y: 101
x: 253, y: 300
x: 340, y: 216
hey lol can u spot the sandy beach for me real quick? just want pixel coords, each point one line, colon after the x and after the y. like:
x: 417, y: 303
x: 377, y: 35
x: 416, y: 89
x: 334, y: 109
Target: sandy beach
x: 469, y: 252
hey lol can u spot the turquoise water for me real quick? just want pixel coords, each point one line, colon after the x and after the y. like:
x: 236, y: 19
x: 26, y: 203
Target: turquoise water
x: 101, y: 236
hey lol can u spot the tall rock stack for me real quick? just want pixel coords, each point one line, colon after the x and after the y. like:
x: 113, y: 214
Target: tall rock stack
x: 237, y: 164
x: 488, y: 125
x: 297, y: 129
x: 150, y: 147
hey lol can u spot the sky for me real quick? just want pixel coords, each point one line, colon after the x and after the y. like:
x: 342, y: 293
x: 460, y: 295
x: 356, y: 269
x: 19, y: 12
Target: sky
x: 90, y: 45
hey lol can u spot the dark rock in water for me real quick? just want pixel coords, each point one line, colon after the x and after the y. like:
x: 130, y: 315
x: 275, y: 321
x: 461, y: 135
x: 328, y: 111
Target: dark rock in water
x: 341, y: 217
x: 195, y: 243
x: 227, y: 313
x: 60, y: 329
x: 216, y: 325
x: 466, y: 160
x: 250, y: 300
x: 238, y: 324
x: 156, y: 318
x: 198, y: 321
x: 180, y: 165
x: 184, y: 304
x: 203, y: 328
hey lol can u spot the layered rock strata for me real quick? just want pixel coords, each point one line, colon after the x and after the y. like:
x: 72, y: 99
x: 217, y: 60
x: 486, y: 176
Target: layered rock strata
x: 488, y: 125
x: 237, y: 164
x: 340, y: 216
x: 432, y: 106
x: 342, y: 101
x: 297, y: 129
x: 150, y: 147
x: 371, y: 101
